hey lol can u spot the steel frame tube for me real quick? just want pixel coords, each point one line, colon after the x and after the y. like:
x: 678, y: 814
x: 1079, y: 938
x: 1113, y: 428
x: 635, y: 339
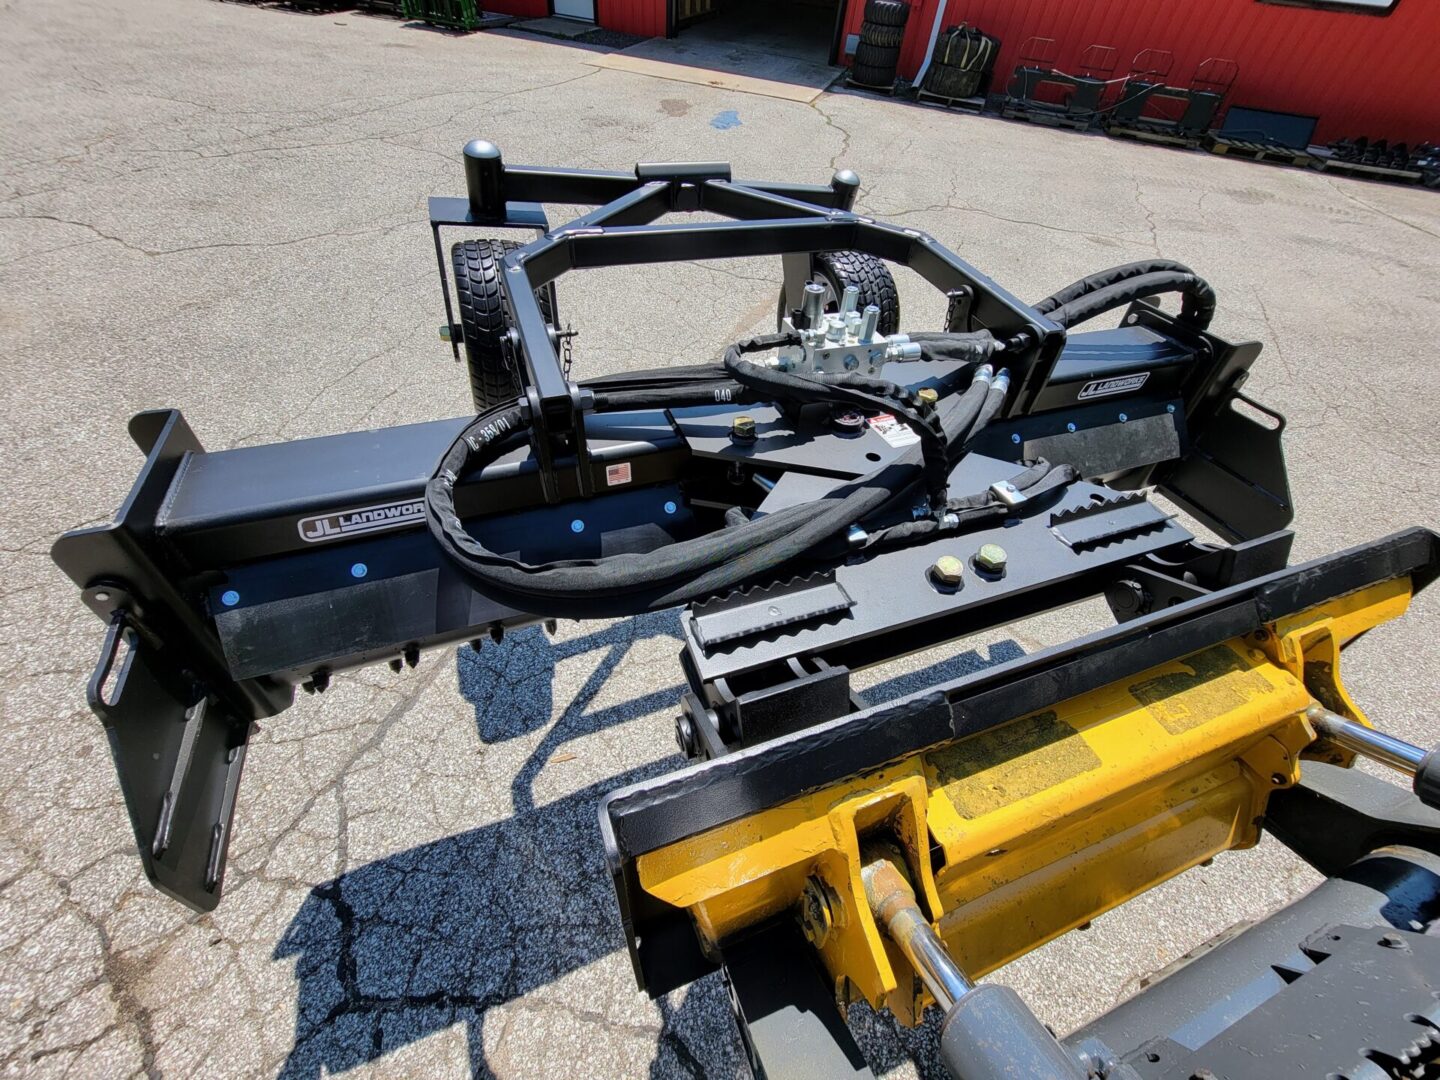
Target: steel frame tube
x: 1396, y: 753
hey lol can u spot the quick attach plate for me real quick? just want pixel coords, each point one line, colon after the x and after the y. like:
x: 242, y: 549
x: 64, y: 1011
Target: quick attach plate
x: 895, y: 605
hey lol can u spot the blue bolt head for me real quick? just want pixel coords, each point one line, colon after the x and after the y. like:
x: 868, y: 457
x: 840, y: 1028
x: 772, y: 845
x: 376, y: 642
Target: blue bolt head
x: 670, y: 507
x: 230, y: 598
x: 1070, y: 427
x: 1015, y: 438
x: 1123, y: 418
x: 1170, y: 408
x: 577, y: 526
x: 359, y: 570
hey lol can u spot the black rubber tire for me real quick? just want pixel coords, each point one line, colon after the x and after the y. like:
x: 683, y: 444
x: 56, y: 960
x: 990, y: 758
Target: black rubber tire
x: 881, y: 78
x: 887, y: 37
x: 877, y: 56
x: 887, y: 12
x: 869, y: 274
x: 484, y: 320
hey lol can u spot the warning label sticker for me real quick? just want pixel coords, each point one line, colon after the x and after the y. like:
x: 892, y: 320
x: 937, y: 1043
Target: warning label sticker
x: 893, y: 431
x: 617, y: 474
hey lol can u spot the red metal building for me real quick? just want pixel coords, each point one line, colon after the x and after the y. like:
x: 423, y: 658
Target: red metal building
x: 1360, y: 72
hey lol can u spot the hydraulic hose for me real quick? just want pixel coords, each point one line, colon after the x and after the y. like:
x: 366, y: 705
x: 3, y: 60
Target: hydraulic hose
x: 1091, y: 282
x: 1122, y: 285
x: 746, y: 548
x: 855, y: 391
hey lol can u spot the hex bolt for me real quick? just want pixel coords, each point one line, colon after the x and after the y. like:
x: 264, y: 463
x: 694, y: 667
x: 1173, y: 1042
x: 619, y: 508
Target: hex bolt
x: 1393, y: 941
x: 948, y: 571
x: 991, y: 559
x: 869, y: 321
x: 742, y: 429
x: 928, y: 397
x: 445, y: 333
x: 852, y: 324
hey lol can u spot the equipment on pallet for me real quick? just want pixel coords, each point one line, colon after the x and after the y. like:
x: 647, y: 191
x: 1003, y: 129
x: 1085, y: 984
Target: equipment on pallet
x: 960, y: 64
x: 838, y: 494
x: 1379, y: 160
x: 1149, y: 108
x: 1041, y: 93
x: 1265, y: 135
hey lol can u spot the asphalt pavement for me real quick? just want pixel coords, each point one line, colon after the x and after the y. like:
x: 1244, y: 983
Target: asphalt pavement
x: 222, y: 208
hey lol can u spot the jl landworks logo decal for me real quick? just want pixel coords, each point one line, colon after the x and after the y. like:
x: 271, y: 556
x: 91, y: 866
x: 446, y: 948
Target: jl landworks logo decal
x: 1120, y: 385
x: 367, y: 519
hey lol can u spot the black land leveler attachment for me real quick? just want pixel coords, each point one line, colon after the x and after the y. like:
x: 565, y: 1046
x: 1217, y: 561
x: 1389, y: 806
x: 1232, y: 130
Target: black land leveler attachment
x: 837, y: 494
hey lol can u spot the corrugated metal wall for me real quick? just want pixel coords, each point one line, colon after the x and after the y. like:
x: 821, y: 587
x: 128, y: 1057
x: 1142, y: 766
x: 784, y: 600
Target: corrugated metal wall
x: 530, y: 9
x: 644, y: 17
x: 1361, y: 74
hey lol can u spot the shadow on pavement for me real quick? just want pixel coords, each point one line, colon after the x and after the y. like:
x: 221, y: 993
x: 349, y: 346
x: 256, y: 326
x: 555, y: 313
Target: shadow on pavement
x: 442, y: 933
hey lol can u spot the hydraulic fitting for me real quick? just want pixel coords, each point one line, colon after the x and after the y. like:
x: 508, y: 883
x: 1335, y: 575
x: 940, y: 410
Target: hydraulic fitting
x: 814, y: 305
x: 869, y: 322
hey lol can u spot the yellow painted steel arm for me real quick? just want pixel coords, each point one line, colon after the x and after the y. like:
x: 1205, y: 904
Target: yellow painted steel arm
x: 1017, y: 834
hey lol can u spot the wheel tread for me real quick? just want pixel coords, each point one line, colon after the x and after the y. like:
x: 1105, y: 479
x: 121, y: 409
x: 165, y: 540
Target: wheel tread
x: 477, y: 265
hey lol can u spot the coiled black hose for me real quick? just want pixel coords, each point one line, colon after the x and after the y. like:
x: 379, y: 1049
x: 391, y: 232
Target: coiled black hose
x: 1121, y: 285
x: 628, y: 584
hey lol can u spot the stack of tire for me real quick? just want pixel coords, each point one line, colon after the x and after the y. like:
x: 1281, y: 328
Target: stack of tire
x: 878, y: 53
x: 962, y: 59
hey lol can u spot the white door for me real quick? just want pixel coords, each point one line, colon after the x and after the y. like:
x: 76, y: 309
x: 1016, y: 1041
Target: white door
x: 576, y: 9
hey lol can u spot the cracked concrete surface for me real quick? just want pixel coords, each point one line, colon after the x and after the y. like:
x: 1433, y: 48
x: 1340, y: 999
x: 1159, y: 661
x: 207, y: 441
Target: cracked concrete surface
x: 222, y: 208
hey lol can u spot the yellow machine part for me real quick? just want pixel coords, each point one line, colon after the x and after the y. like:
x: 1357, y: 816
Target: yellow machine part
x: 1017, y: 834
